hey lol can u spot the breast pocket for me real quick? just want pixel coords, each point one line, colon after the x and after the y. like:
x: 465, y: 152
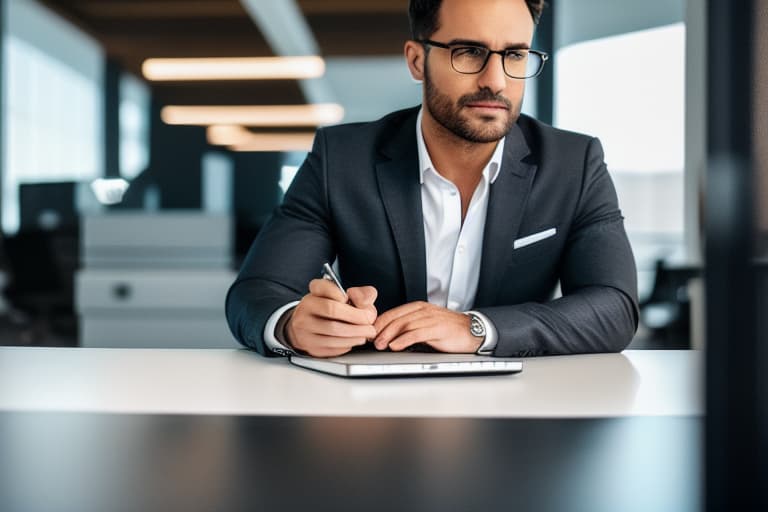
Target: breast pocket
x: 543, y: 245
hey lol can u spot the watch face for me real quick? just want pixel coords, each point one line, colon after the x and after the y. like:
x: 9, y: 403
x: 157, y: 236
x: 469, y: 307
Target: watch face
x: 476, y: 327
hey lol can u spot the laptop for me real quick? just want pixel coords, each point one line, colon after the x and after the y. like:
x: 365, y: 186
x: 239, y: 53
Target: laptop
x: 408, y: 364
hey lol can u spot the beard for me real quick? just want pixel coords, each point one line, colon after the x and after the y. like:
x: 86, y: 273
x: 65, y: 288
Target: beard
x: 448, y: 114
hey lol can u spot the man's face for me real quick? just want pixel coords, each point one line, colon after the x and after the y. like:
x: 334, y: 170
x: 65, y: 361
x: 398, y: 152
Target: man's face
x: 483, y: 107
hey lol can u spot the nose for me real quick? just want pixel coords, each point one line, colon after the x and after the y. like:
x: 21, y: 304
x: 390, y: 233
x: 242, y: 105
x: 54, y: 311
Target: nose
x: 493, y: 76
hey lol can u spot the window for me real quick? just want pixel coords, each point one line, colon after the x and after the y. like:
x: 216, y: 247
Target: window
x: 629, y: 90
x: 52, y: 112
x: 134, y: 126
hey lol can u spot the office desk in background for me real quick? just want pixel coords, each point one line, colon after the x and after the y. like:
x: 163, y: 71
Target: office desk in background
x: 229, y: 430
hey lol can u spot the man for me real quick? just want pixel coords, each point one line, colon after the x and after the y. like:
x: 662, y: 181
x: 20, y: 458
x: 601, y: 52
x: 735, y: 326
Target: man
x: 452, y: 224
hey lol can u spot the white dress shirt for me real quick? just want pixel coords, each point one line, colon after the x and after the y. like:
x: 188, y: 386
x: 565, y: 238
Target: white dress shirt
x: 453, y: 250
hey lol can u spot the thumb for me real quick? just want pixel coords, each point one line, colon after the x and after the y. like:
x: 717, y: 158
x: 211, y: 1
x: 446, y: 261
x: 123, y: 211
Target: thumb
x: 363, y: 297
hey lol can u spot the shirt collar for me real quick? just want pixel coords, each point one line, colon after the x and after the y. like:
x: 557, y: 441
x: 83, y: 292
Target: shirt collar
x: 491, y: 170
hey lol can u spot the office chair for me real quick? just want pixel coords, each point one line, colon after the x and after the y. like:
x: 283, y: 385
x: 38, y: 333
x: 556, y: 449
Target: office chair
x: 666, y: 311
x: 40, y: 291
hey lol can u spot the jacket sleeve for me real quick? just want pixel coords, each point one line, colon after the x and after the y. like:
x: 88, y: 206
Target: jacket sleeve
x: 288, y: 253
x: 598, y: 311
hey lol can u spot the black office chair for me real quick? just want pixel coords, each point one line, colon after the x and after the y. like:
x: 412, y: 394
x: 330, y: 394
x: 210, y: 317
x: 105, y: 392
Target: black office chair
x: 666, y: 311
x: 40, y: 290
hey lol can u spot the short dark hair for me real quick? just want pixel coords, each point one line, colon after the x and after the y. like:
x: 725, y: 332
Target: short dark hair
x: 423, y: 15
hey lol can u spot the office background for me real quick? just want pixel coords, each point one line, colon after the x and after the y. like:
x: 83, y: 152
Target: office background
x: 81, y: 122
x: 676, y: 90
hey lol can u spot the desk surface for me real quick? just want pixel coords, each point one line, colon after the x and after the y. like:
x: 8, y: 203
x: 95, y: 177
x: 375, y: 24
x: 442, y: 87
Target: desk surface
x: 240, y: 382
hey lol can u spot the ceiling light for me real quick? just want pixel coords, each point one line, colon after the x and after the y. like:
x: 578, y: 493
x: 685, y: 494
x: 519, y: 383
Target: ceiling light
x: 267, y: 115
x: 233, y: 68
x: 238, y: 138
x: 227, y: 135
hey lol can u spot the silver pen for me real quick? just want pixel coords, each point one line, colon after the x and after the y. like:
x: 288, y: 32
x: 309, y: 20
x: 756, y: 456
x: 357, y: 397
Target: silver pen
x: 330, y: 275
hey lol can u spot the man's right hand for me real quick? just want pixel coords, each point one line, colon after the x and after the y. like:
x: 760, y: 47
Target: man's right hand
x: 325, y: 325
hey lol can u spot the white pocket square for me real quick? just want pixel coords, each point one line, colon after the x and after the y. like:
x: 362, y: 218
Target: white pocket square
x: 536, y: 237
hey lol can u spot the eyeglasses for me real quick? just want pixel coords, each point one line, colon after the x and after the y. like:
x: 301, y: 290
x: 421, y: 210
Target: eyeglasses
x: 520, y: 63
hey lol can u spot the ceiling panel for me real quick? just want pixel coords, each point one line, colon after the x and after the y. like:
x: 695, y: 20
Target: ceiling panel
x: 134, y: 30
x: 310, y: 7
x: 272, y: 92
x: 361, y: 33
x: 146, y: 9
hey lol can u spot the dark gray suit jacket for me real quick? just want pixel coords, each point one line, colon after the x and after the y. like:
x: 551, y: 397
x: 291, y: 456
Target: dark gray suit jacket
x: 357, y: 197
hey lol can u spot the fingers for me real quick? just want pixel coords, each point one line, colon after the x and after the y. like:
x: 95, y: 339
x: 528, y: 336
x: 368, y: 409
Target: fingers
x: 328, y: 346
x: 331, y: 342
x: 321, y: 337
x: 409, y: 338
x: 327, y: 289
x: 442, y: 329
x: 312, y: 324
x: 361, y: 311
x: 396, y: 320
x: 324, y: 324
x: 328, y: 309
x: 418, y: 327
x: 389, y: 316
x: 419, y: 319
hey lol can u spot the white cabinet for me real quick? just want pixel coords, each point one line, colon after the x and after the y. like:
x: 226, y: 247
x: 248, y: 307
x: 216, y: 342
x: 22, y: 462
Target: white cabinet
x: 155, y: 280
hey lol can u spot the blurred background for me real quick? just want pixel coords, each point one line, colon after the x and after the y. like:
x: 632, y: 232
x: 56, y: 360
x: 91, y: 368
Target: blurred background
x: 145, y: 142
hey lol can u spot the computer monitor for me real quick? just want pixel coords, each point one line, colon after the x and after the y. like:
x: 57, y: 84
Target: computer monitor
x: 48, y: 206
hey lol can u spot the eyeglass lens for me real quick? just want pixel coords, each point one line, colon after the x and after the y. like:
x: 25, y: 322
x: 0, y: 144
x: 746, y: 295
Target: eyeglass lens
x: 517, y: 63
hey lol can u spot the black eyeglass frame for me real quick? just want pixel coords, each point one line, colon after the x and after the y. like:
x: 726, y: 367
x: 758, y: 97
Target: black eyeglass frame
x: 544, y: 56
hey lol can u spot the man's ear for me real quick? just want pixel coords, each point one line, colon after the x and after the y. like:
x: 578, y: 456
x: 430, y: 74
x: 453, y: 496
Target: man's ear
x: 415, y: 56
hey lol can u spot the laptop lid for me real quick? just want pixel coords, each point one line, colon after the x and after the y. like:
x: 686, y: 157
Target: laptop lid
x: 400, y: 364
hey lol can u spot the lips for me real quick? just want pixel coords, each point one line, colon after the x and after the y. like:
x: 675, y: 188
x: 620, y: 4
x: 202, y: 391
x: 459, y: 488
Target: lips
x: 488, y: 105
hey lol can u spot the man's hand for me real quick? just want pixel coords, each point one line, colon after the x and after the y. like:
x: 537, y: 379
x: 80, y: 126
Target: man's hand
x: 324, y: 325
x: 422, y: 322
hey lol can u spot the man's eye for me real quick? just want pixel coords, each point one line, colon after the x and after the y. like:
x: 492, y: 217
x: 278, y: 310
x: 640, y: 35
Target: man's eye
x: 516, y: 55
x: 470, y: 51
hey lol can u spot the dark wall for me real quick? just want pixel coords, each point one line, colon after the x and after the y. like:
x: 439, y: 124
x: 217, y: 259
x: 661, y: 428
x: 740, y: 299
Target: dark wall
x: 257, y: 193
x: 175, y: 163
x: 175, y: 160
x: 112, y: 72
x: 256, y: 183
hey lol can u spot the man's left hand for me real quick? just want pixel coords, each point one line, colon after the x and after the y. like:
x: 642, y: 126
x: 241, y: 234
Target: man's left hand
x: 422, y: 322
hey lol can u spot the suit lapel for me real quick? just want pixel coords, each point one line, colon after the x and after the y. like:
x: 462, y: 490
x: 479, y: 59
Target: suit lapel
x: 398, y: 177
x: 507, y: 201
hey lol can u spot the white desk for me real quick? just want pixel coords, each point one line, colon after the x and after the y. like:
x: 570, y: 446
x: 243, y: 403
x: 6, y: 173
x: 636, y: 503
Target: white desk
x: 239, y: 382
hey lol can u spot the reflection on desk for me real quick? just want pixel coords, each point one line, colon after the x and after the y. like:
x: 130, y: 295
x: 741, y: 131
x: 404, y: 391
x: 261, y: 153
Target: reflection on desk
x: 242, y: 382
x: 83, y: 462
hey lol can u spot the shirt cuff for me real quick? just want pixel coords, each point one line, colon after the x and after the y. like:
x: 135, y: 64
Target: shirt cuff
x: 491, y: 334
x: 274, y: 336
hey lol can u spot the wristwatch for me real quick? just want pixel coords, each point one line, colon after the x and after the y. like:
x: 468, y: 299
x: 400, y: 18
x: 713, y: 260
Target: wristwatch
x: 476, y: 326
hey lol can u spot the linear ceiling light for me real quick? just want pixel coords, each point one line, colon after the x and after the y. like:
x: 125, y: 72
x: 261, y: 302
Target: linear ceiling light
x: 239, y: 138
x: 227, y: 135
x: 265, y: 115
x: 234, y: 68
